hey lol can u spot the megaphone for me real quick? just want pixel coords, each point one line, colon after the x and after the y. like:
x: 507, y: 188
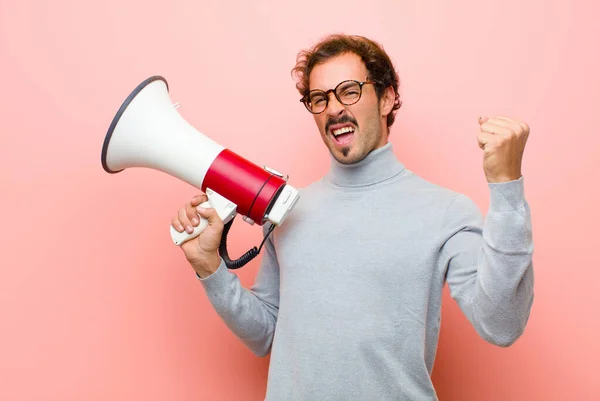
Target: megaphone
x: 148, y: 131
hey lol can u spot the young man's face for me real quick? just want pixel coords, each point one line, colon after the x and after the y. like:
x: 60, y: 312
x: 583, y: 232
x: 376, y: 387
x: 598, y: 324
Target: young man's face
x: 365, y: 120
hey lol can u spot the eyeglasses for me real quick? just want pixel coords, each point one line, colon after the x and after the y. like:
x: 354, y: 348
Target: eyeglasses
x: 347, y: 93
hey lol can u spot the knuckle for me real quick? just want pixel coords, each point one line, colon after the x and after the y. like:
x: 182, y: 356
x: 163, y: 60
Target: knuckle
x: 197, y: 199
x: 177, y: 224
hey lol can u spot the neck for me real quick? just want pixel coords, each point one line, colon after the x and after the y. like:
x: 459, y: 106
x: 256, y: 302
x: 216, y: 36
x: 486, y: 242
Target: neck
x: 379, y: 165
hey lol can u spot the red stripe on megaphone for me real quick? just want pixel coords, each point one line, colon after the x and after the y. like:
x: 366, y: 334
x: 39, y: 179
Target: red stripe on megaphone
x: 250, y: 187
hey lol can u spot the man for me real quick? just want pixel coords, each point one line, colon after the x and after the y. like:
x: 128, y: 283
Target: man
x: 348, y: 295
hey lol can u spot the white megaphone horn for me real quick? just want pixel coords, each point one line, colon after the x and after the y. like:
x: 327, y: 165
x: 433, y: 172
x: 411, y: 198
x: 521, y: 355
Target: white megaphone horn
x: 147, y: 131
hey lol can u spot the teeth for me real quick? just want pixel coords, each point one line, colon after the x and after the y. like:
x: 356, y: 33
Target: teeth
x: 342, y: 131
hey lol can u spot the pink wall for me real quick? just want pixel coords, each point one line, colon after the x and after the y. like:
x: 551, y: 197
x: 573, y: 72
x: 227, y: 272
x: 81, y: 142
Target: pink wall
x: 95, y: 302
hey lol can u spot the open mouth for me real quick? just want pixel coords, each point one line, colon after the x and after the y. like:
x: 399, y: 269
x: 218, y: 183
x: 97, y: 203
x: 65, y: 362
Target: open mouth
x: 343, y: 135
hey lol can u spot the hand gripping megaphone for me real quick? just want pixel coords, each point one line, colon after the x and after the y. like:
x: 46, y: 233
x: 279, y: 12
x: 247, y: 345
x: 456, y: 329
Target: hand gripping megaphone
x: 147, y: 131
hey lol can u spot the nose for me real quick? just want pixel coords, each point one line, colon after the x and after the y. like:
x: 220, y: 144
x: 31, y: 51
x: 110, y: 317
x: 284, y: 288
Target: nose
x: 334, y: 107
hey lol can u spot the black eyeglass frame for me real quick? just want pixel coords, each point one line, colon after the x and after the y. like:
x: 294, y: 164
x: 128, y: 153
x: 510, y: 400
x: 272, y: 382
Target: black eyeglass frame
x: 305, y: 99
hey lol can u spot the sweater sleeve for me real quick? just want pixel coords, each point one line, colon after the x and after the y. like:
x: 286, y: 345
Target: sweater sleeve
x: 251, y: 314
x: 489, y: 261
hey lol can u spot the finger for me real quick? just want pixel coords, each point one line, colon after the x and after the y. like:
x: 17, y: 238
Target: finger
x: 185, y: 221
x: 177, y: 224
x: 198, y: 199
x: 192, y: 214
x: 484, y: 139
x: 505, y: 123
x: 211, y: 215
x: 508, y: 123
x: 524, y: 126
x: 510, y: 120
x: 521, y: 124
x: 496, y: 129
x: 483, y: 119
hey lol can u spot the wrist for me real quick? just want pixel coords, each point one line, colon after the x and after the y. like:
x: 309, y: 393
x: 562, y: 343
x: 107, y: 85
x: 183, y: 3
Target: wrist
x: 207, y: 266
x: 503, y: 178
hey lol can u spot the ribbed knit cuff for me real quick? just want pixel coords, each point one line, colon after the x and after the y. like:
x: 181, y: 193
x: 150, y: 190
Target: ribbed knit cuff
x: 507, y: 196
x: 217, y: 282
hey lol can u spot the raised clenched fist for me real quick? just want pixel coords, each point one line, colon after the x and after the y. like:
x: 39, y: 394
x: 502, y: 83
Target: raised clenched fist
x: 503, y: 142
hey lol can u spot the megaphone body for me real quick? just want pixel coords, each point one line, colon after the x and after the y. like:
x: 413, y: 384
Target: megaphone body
x: 149, y: 132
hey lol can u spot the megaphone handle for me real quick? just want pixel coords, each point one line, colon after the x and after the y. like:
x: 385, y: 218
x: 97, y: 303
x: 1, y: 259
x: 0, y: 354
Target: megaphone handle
x: 225, y: 209
x: 181, y: 238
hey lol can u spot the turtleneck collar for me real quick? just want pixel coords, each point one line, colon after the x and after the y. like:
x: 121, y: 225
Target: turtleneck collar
x: 379, y: 165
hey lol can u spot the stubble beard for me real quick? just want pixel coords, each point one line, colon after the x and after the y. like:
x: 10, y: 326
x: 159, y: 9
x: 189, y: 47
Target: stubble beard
x: 374, y: 134
x: 366, y: 143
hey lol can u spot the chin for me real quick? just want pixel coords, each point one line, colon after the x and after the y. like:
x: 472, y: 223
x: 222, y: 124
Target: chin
x: 348, y: 155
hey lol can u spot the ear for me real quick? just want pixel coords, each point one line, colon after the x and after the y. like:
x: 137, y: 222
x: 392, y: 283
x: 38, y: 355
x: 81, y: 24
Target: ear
x: 386, y: 102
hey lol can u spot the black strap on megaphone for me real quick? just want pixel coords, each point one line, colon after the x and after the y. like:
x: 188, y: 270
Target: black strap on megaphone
x: 245, y: 258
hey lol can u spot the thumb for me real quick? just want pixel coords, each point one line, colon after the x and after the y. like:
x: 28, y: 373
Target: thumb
x: 483, y: 119
x: 211, y: 215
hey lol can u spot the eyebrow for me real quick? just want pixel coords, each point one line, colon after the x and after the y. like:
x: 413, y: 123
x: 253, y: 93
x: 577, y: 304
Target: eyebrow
x: 343, y: 80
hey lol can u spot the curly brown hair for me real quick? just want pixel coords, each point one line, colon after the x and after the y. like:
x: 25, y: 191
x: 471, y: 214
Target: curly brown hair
x: 377, y: 62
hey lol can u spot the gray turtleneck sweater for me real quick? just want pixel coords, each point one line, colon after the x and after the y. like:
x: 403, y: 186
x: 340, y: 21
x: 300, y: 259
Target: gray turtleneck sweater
x: 348, y: 295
